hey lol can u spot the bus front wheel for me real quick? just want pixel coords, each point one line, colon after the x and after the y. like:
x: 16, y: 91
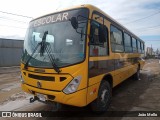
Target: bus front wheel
x: 103, y: 100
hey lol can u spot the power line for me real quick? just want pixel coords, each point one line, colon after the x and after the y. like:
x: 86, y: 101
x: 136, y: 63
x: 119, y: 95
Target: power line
x: 13, y: 26
x: 16, y: 14
x: 144, y: 17
x: 148, y: 27
x: 13, y: 20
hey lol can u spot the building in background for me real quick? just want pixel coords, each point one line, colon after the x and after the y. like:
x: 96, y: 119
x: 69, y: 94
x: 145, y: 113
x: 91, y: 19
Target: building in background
x: 10, y: 52
x: 149, y: 51
x: 157, y: 54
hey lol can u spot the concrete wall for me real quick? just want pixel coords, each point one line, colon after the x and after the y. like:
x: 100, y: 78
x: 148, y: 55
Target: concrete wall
x: 10, y: 52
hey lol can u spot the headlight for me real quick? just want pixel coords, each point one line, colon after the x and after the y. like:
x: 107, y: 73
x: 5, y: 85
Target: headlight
x: 73, y: 85
x: 22, y: 80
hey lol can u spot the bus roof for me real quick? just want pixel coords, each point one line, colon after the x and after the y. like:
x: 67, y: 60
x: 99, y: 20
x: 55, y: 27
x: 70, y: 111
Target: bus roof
x: 109, y: 17
x: 93, y: 8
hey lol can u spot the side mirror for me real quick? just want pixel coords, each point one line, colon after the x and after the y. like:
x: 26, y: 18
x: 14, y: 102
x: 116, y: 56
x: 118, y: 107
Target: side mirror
x: 74, y: 22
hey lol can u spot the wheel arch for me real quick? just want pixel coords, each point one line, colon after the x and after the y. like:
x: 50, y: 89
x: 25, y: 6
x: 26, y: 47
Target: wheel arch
x: 109, y: 78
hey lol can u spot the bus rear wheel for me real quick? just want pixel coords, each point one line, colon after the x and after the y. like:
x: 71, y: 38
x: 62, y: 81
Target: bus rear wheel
x: 137, y: 74
x: 101, y: 104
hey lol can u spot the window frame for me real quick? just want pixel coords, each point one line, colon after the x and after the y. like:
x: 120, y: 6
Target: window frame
x: 122, y: 28
x: 139, y: 46
x: 107, y: 40
x: 127, y: 45
x: 133, y: 47
x: 143, y: 47
x: 111, y: 25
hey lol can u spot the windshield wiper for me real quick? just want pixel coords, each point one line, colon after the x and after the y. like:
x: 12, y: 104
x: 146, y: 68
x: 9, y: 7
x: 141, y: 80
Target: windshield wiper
x: 43, y: 43
x: 26, y: 64
x: 55, y: 67
x: 44, y: 46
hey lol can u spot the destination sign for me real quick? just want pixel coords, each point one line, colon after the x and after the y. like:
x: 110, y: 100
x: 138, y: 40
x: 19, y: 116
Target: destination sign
x: 58, y: 17
x: 51, y: 19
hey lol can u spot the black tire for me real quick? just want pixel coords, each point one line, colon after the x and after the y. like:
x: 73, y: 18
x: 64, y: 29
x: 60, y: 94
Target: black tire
x: 56, y: 107
x: 137, y: 74
x: 101, y: 104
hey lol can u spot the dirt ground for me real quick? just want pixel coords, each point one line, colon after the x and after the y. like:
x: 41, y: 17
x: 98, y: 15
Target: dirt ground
x: 131, y: 95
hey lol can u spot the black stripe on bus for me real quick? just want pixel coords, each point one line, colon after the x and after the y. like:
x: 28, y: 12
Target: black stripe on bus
x: 104, y: 66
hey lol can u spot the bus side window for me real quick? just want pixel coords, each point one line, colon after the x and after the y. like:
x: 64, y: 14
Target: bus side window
x: 98, y: 48
x: 127, y: 43
x: 139, y: 46
x: 134, y: 45
x: 116, y: 37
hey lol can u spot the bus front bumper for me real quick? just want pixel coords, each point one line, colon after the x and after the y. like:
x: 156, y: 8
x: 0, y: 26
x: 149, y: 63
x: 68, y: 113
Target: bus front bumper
x: 76, y: 99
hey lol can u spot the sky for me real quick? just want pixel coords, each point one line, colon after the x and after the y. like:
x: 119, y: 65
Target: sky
x: 142, y: 17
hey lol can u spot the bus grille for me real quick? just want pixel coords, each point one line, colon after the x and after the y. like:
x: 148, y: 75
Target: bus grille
x: 47, y: 78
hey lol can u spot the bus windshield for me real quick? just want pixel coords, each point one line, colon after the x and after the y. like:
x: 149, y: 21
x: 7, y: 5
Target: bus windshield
x: 65, y: 45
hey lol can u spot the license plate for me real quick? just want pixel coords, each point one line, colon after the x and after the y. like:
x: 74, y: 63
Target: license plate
x: 41, y: 97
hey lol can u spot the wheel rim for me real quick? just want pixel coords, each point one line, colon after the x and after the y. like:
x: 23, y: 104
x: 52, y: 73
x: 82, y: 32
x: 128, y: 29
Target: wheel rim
x: 103, y: 94
x: 104, y: 97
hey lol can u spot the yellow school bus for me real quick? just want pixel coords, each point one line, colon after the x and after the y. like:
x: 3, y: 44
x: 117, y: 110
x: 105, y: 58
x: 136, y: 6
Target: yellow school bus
x: 77, y: 56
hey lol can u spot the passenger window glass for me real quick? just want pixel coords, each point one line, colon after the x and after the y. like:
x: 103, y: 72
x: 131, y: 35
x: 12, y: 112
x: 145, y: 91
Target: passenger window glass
x: 127, y: 39
x: 97, y: 47
x: 134, y: 44
x: 139, y: 46
x: 116, y: 40
x: 142, y: 45
x: 127, y: 43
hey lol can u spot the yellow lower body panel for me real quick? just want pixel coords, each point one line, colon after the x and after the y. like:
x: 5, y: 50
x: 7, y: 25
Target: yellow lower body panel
x: 92, y: 92
x: 75, y: 99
